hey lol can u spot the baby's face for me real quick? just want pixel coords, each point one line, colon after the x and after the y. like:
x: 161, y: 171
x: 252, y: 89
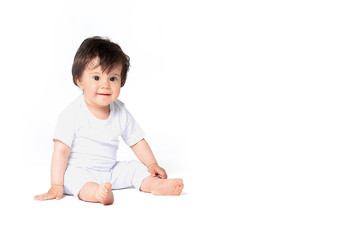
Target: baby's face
x: 100, y: 88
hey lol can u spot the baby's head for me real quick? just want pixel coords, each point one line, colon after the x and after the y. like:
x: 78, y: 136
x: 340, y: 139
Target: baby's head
x: 109, y: 54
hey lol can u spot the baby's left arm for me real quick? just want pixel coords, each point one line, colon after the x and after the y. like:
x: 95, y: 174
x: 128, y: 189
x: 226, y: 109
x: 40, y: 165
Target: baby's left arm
x: 144, y: 153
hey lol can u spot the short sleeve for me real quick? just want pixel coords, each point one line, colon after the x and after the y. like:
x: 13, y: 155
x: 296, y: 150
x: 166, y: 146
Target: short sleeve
x: 65, y: 129
x: 132, y: 133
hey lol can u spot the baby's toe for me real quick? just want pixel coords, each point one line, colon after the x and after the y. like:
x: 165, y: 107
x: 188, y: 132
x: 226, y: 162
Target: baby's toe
x: 108, y: 186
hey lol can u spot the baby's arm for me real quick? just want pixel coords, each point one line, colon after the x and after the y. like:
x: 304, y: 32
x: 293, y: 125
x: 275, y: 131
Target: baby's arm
x: 144, y: 153
x: 58, y: 165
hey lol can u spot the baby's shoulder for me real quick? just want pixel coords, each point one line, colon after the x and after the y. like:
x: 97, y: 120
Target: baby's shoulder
x: 118, y: 106
x: 72, y: 111
x: 117, y: 103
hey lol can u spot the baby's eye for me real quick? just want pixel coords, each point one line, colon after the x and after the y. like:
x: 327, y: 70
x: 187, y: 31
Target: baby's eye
x: 96, y: 78
x: 112, y: 79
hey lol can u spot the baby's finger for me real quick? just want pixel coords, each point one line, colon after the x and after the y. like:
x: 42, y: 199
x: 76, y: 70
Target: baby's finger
x: 59, y: 196
x: 41, y: 197
x: 163, y: 174
x: 38, y: 197
x: 49, y: 196
x: 153, y: 172
x: 44, y: 196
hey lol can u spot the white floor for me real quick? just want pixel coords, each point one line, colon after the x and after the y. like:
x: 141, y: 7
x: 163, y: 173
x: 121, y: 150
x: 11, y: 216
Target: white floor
x: 134, y: 215
x: 235, y: 209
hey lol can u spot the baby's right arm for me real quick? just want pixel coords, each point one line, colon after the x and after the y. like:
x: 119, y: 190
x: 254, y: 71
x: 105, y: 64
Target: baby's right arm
x: 58, y: 165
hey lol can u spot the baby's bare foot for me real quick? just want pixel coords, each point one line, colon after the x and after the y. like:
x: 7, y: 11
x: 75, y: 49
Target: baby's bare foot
x: 173, y: 187
x: 104, y: 194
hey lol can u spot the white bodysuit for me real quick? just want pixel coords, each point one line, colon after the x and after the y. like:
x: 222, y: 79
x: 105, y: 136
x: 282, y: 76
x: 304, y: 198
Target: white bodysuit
x: 93, y: 146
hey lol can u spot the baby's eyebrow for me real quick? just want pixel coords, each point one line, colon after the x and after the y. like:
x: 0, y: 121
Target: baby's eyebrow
x: 95, y: 72
x: 114, y: 74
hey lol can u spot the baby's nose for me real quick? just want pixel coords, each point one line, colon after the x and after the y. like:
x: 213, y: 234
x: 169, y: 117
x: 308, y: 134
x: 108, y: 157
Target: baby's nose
x: 105, y: 84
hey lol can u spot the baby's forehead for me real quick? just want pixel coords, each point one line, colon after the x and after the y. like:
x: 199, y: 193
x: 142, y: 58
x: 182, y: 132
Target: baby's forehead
x: 95, y: 65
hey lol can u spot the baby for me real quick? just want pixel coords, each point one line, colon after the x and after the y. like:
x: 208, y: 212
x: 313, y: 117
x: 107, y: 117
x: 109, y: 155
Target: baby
x: 86, y: 136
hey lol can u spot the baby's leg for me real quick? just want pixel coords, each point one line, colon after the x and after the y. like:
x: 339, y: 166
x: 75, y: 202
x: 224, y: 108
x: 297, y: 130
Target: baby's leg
x: 158, y: 186
x: 93, y: 192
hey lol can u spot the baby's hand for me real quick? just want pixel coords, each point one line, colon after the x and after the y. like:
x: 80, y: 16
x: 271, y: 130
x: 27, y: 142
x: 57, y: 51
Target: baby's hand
x: 154, y: 169
x: 55, y: 192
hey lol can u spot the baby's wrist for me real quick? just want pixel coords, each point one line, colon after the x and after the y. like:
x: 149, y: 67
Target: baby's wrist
x: 152, y: 164
x: 57, y: 185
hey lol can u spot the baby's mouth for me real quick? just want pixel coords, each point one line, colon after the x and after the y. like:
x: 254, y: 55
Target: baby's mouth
x: 104, y: 94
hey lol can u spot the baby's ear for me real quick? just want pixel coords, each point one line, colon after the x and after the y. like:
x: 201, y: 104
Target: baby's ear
x: 79, y: 83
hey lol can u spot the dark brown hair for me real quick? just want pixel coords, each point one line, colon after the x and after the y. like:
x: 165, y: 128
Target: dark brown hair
x: 109, y: 53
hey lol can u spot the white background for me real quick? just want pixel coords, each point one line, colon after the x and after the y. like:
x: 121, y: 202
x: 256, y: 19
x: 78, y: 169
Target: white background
x: 242, y: 99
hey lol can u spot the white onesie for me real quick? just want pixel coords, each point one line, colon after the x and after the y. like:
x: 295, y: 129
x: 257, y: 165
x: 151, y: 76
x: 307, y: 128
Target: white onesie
x: 93, y: 146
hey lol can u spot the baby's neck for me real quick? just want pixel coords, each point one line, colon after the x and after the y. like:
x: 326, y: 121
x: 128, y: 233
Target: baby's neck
x: 100, y: 112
